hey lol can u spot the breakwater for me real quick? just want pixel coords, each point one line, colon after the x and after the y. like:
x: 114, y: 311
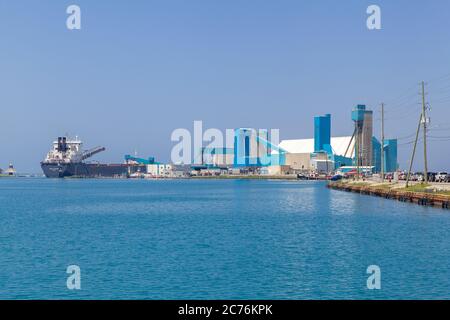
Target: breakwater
x: 438, y: 200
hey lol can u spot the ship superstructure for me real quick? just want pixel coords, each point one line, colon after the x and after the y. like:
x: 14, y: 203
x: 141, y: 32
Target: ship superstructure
x: 67, y: 159
x: 69, y: 151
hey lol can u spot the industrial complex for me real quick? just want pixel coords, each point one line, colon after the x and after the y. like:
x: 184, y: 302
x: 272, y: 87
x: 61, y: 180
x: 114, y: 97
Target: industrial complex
x: 254, y: 153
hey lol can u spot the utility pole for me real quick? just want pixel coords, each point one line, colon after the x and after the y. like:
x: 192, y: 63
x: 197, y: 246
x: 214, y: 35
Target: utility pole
x: 414, y: 151
x: 382, y: 142
x: 357, y: 151
x: 424, y: 119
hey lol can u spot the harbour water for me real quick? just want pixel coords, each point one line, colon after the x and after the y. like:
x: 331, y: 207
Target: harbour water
x: 215, y: 239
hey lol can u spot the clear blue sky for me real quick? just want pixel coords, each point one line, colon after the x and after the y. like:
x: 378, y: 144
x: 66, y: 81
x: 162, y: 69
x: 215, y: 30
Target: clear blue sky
x: 140, y: 69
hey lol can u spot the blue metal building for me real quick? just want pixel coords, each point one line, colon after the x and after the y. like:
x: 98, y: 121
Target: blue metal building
x: 322, y: 142
x: 376, y: 154
x: 322, y: 134
x: 252, y: 148
x: 390, y: 155
x: 242, y: 148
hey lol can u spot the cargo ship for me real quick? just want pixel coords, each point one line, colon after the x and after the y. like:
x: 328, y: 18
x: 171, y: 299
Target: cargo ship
x: 68, y: 159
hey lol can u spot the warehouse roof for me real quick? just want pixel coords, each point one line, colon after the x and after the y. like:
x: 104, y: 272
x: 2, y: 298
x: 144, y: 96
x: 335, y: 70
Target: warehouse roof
x: 338, y: 144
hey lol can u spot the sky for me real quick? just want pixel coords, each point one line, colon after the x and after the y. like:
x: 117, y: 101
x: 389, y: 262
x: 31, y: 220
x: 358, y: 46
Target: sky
x: 138, y: 70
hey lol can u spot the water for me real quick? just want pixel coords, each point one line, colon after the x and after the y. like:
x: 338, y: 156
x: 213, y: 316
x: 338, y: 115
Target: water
x: 222, y: 239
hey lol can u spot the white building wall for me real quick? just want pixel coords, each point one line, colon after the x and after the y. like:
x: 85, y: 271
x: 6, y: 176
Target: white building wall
x: 159, y: 169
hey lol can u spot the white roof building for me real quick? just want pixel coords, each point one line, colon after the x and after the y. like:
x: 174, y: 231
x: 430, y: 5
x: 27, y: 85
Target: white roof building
x: 338, y: 144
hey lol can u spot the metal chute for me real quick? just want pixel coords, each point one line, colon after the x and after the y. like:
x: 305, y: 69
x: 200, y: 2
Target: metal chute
x: 89, y: 153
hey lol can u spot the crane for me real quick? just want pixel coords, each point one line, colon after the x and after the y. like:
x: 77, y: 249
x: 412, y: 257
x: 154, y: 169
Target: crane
x: 129, y: 158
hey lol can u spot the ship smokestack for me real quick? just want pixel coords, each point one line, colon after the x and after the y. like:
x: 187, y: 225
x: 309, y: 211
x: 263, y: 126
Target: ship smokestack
x: 59, y: 143
x: 64, y: 144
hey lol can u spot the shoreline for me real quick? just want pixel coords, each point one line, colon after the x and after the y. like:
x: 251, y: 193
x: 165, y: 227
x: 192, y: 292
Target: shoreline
x: 424, y: 195
x: 249, y: 177
x: 221, y: 177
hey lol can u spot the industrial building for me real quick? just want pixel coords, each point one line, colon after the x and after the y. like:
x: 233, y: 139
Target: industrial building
x: 159, y: 169
x: 363, y: 134
x: 301, y: 154
x: 390, y: 155
x: 252, y: 150
x: 218, y: 157
x: 322, y: 133
x: 149, y: 167
x: 322, y: 153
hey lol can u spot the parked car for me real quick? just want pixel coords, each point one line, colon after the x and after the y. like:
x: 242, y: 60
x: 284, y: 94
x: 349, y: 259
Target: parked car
x: 432, y: 176
x: 416, y: 176
x: 367, y: 174
x: 336, y: 177
x: 301, y: 176
x: 402, y: 175
x: 441, y: 177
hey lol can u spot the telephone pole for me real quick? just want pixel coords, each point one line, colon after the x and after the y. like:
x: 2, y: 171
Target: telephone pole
x: 382, y: 142
x: 414, y: 151
x: 357, y: 150
x: 424, y: 119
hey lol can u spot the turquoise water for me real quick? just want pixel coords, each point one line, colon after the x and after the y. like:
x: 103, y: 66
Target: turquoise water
x: 221, y: 239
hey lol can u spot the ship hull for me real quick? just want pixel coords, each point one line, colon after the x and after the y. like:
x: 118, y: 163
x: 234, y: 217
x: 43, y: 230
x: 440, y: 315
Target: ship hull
x: 89, y: 170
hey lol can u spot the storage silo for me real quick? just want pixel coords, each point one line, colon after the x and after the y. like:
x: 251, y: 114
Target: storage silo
x: 250, y: 147
x: 322, y: 133
x: 363, y: 119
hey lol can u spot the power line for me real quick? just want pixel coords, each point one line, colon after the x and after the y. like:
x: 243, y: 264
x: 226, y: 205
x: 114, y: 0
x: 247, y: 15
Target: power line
x: 438, y: 128
x: 400, y: 97
x: 403, y: 104
x: 446, y: 99
x: 401, y: 116
x: 403, y: 107
x: 406, y: 137
x: 420, y: 140
x: 441, y: 89
x: 433, y: 130
x: 410, y: 142
x: 446, y: 76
